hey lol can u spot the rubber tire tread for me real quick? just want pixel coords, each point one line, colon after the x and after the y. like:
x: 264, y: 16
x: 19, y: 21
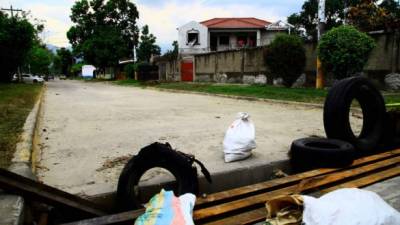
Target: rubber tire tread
x: 337, y: 108
x: 309, y: 153
x: 155, y: 155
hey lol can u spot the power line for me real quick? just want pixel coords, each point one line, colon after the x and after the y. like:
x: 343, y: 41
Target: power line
x: 12, y: 10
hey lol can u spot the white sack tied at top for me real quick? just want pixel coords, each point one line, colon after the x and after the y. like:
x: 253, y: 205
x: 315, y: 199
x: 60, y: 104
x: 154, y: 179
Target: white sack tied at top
x: 239, y: 138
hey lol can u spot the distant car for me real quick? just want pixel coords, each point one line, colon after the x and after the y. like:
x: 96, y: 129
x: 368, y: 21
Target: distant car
x: 29, y: 78
x: 63, y: 77
x: 48, y: 77
x: 15, y: 78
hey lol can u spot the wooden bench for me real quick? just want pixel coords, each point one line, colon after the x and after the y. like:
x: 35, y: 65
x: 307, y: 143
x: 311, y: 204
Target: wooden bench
x: 246, y: 205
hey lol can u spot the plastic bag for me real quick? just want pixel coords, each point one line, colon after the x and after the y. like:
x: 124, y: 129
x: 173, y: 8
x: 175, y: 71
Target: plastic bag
x: 349, y: 206
x: 166, y: 209
x: 239, y: 138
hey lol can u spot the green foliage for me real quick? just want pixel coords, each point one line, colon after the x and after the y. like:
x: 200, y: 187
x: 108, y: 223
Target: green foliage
x: 39, y: 59
x: 172, y: 54
x: 364, y: 14
x: 344, y: 51
x: 76, y: 68
x: 308, y: 16
x: 64, y: 61
x: 147, y: 46
x: 104, y: 48
x: 129, y: 70
x: 286, y: 58
x: 104, y: 31
x: 368, y: 15
x: 16, y: 39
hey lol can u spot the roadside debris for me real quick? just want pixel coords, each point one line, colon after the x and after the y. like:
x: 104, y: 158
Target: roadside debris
x: 347, y: 206
x: 110, y: 163
x: 166, y: 208
x: 277, y: 173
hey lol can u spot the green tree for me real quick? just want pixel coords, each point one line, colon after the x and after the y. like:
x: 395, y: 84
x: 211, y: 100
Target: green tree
x: 147, y: 46
x: 368, y: 15
x: 307, y: 18
x: 17, y: 36
x: 99, y: 25
x: 286, y: 58
x: 39, y: 59
x: 77, y: 68
x: 344, y: 51
x: 104, y: 48
x: 64, y: 59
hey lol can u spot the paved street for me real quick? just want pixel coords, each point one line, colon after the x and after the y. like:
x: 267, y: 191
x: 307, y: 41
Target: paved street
x: 84, y: 124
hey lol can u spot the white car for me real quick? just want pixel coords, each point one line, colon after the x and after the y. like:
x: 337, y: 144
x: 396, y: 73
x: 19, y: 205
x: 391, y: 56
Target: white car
x: 29, y: 78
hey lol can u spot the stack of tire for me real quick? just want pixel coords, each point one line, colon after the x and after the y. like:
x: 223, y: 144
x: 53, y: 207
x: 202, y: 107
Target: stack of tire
x: 342, y: 146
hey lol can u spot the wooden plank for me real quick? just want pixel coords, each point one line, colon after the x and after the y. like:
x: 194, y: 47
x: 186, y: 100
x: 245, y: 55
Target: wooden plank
x: 234, y: 193
x: 365, y: 181
x: 250, y: 217
x: 259, y: 214
x: 253, y: 215
x: 17, y: 184
x: 297, y: 188
x: 128, y: 216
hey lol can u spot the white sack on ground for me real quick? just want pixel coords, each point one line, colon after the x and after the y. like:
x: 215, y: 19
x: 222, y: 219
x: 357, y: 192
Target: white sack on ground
x: 349, y: 206
x: 239, y: 138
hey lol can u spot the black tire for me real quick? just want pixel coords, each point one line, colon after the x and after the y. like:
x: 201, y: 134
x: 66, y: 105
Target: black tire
x: 35, y: 81
x: 337, y: 109
x: 155, y: 155
x: 307, y: 153
x: 391, y: 137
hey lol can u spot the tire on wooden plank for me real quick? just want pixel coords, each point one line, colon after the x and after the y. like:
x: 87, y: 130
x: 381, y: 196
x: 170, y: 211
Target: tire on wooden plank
x: 337, y: 108
x: 307, y: 153
x: 155, y: 155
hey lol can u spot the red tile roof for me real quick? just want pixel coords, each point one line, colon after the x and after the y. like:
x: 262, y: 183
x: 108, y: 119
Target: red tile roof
x: 235, y: 23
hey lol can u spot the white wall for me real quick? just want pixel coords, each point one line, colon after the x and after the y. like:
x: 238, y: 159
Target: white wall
x: 186, y: 49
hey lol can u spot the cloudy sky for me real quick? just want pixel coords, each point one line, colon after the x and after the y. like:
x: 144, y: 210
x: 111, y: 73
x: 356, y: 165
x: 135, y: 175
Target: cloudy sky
x: 162, y: 16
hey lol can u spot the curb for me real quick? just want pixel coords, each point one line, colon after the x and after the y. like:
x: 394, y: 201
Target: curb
x: 248, y: 98
x: 12, y: 207
x: 24, y: 148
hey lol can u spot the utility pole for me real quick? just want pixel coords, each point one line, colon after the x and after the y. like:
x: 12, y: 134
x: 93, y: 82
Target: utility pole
x: 12, y: 10
x: 321, y: 28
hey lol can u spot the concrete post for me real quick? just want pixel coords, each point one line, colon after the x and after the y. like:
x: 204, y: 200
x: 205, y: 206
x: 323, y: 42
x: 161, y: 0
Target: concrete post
x: 321, y: 27
x: 258, y: 38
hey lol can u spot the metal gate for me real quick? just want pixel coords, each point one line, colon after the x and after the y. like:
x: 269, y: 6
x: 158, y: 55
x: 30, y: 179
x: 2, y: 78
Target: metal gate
x: 187, y: 70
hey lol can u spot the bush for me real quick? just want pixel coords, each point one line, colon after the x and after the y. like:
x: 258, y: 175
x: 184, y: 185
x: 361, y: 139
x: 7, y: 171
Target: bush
x: 286, y: 58
x: 129, y: 70
x: 344, y: 51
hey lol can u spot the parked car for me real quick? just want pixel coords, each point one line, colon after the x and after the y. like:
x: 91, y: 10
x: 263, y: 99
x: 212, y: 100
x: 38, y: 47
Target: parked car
x: 29, y: 78
x: 63, y: 77
x: 15, y: 78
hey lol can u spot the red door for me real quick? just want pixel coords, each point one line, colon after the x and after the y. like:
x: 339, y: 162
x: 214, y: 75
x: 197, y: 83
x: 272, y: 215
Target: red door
x: 186, y: 70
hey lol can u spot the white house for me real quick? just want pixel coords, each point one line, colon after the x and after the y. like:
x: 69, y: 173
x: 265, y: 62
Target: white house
x: 220, y: 34
x: 87, y: 71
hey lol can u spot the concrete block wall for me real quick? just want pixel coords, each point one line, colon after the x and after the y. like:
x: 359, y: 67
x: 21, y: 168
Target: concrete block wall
x: 237, y: 66
x: 248, y: 65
